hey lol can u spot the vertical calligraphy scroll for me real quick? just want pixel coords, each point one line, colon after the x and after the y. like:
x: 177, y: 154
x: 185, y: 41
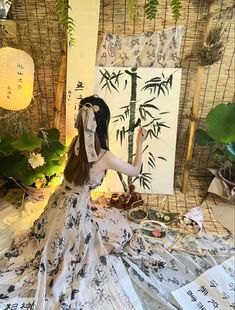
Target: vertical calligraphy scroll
x: 81, y: 58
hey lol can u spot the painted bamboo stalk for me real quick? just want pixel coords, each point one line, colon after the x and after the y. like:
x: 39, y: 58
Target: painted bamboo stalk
x: 123, y: 182
x: 60, y: 89
x: 133, y: 99
x: 194, y: 110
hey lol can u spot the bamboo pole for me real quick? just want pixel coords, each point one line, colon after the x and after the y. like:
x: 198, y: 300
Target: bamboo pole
x: 195, y: 109
x: 60, y: 89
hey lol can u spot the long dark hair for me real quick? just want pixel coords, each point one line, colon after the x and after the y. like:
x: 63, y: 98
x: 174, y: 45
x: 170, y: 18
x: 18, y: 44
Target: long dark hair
x: 77, y: 170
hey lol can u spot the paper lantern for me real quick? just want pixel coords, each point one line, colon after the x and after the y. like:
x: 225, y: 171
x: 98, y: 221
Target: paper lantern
x: 16, y: 79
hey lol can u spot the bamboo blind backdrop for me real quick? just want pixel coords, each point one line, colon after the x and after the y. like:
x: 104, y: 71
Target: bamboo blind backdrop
x: 40, y: 35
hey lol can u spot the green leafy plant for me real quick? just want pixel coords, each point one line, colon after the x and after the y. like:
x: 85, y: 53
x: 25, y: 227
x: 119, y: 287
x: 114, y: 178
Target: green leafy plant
x: 220, y: 133
x: 62, y: 8
x: 175, y: 8
x: 133, y: 8
x: 62, y: 11
x: 150, y: 8
x: 36, y: 160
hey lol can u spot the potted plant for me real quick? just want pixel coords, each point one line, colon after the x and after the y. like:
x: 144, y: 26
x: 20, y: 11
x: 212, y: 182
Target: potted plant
x: 221, y: 133
x: 35, y: 162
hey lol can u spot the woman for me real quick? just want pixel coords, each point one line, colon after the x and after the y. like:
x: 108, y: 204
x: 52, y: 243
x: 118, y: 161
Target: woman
x: 62, y: 263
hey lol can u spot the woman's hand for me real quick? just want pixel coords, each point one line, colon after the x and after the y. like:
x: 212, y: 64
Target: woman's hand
x: 142, y: 133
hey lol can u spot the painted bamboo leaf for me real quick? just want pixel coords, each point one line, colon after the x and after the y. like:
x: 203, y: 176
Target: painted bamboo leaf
x: 119, y: 117
x: 163, y: 125
x: 156, y: 85
x: 151, y: 106
x: 117, y: 76
x: 163, y: 158
x: 125, y: 84
x: 161, y: 89
x: 144, y: 180
x: 121, y: 137
x: 110, y: 80
x: 151, y: 154
x: 148, y: 113
x: 158, y: 131
x: 117, y: 134
x: 111, y: 83
x: 125, y: 107
x: 165, y: 85
x: 107, y: 86
x: 142, y: 114
x: 146, y: 175
x: 123, y: 132
x: 170, y: 80
x: 151, y: 163
x: 126, y: 112
x: 150, y: 100
x: 152, y: 121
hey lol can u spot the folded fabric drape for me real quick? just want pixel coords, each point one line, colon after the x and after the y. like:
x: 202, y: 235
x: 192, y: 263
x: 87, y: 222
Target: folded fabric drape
x: 159, y: 49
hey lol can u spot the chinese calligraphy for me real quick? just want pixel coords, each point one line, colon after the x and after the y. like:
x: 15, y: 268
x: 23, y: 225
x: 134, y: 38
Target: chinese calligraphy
x: 213, y: 290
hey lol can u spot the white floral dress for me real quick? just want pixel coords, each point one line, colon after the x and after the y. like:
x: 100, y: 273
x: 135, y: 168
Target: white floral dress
x: 62, y: 262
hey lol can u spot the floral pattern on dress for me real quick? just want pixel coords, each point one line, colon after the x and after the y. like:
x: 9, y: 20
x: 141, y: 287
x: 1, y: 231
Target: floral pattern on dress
x: 64, y: 260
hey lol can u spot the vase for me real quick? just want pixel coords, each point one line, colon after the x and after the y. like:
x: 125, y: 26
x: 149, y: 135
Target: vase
x: 38, y: 193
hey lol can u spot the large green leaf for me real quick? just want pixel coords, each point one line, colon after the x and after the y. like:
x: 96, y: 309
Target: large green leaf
x: 202, y: 138
x: 55, y: 181
x: 13, y: 165
x: 221, y: 123
x: 49, y: 156
x: 51, y: 168
x: 55, y: 147
x: 31, y: 176
x: 5, y: 144
x: 26, y: 142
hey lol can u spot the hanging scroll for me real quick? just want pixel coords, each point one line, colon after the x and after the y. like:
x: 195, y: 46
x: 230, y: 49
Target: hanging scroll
x: 81, y: 58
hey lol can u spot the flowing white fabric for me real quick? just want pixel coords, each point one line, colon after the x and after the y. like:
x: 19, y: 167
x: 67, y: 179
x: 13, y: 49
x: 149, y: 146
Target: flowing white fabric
x: 64, y: 260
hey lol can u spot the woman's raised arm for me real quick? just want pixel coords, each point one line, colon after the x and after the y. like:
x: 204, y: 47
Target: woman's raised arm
x: 114, y: 163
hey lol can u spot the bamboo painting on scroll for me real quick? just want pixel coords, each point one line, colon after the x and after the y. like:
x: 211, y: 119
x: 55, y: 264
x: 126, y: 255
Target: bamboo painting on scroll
x: 150, y: 97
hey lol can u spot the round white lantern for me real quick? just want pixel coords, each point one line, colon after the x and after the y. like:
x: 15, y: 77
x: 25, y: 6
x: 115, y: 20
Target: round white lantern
x: 16, y: 79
